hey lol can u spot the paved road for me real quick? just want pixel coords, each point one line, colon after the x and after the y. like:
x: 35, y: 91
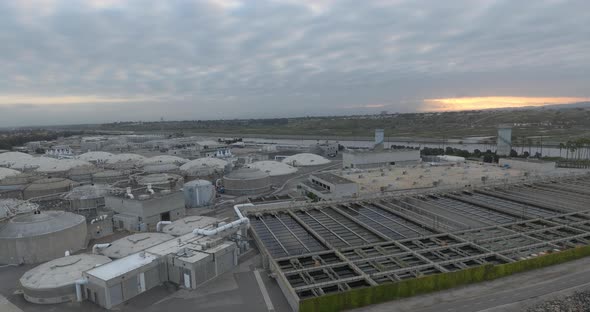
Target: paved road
x: 512, y: 293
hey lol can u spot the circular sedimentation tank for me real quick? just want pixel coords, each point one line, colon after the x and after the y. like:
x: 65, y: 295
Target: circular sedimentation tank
x: 55, y: 281
x: 134, y: 243
x: 305, y: 160
x: 203, y: 167
x: 82, y: 174
x: 5, y: 173
x: 165, y: 181
x: 9, y: 158
x: 46, y: 187
x: 96, y: 157
x: 34, y: 238
x: 273, y: 168
x: 165, y: 159
x: 161, y: 168
x: 109, y: 176
x: 246, y: 181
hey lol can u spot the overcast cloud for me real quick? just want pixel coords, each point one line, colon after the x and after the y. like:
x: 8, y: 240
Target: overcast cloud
x: 107, y: 60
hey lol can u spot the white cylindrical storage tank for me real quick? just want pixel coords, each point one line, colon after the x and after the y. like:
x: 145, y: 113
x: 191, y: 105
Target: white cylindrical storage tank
x: 34, y: 238
x: 55, y: 281
x: 246, y: 181
x: 47, y: 187
x: 198, y: 193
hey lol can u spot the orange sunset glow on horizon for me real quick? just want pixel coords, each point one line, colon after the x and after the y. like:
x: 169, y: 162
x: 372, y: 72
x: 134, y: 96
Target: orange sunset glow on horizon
x: 494, y: 102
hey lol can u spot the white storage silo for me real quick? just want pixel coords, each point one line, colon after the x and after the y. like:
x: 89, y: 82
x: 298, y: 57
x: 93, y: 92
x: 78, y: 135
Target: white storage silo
x: 198, y: 193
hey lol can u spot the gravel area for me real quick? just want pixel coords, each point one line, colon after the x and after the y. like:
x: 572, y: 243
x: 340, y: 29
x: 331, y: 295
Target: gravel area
x: 577, y: 302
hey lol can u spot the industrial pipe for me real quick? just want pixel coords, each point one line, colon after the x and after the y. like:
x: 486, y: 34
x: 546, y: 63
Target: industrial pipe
x: 79, y: 284
x: 96, y: 247
x: 160, y: 224
x: 241, y: 220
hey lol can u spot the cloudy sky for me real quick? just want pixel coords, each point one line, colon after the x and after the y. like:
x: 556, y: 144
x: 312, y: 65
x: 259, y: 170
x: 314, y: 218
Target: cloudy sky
x: 72, y: 61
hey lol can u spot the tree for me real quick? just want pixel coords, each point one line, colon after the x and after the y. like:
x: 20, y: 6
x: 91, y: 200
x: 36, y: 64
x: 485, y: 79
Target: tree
x: 526, y: 154
x: 513, y: 153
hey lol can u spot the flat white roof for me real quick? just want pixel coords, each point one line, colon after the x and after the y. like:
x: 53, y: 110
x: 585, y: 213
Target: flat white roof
x: 121, y: 266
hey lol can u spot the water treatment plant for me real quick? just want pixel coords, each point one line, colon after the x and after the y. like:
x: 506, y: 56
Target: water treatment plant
x: 272, y: 227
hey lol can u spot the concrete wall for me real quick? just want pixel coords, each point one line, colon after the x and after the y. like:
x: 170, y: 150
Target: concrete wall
x: 123, y: 287
x: 100, y: 229
x: 246, y: 187
x: 43, y: 248
x: 374, y: 159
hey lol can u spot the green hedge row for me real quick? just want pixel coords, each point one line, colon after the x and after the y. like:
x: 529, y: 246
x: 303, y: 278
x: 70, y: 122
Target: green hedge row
x: 360, y: 297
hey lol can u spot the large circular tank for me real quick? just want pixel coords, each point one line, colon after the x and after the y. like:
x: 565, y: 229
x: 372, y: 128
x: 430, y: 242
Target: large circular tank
x: 165, y: 159
x: 203, y: 167
x: 34, y: 238
x: 82, y: 174
x: 305, y: 160
x: 11, y: 207
x: 9, y: 158
x: 5, y: 173
x: 87, y: 199
x: 124, y: 161
x: 246, y: 181
x: 166, y: 181
x: 55, y: 281
x: 46, y: 187
x: 95, y: 157
x: 58, y: 167
x: 161, y: 168
x: 198, y: 193
x: 273, y: 168
x: 134, y: 243
x: 109, y: 176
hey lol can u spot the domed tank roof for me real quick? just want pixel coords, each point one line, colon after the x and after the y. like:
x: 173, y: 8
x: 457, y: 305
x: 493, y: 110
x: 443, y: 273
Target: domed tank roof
x: 305, y: 159
x: 164, y: 159
x: 48, y: 165
x: 116, y: 158
x: 46, y: 222
x: 108, y: 174
x: 5, y: 172
x: 157, y: 168
x: 134, y: 243
x: 207, y: 162
x: 88, y: 191
x: 273, y: 168
x: 10, y: 207
x: 49, y: 183
x: 6, y: 159
x: 246, y: 174
x: 95, y: 156
x: 61, y: 272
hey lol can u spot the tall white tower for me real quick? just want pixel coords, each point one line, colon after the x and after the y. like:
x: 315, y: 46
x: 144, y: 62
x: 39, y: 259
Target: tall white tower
x: 379, y: 138
x: 504, y: 141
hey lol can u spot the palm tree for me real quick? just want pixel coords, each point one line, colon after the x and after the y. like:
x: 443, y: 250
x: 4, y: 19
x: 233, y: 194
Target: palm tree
x: 561, y: 146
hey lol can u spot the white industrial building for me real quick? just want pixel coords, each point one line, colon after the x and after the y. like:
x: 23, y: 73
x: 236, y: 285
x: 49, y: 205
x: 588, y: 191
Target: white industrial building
x: 364, y: 159
x: 328, y: 186
x: 189, y: 261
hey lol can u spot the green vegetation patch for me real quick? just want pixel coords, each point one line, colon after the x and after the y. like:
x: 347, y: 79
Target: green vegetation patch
x: 391, y: 291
